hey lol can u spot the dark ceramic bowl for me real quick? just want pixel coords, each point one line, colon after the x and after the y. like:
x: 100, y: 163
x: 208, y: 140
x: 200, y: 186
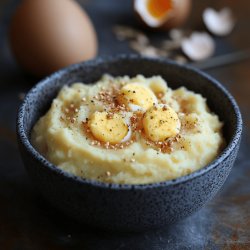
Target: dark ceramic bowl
x: 129, y: 207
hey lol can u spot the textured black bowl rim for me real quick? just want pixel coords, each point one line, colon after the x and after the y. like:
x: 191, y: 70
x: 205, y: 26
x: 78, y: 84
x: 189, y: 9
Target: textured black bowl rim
x: 111, y: 59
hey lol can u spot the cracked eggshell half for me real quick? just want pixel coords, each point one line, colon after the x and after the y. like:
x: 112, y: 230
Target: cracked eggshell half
x: 162, y: 14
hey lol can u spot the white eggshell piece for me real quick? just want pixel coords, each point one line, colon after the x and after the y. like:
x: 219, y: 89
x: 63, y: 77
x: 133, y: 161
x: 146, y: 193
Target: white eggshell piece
x: 198, y: 46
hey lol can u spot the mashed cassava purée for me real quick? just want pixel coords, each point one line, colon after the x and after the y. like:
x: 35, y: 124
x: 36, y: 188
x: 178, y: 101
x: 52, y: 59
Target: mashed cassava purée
x: 128, y: 130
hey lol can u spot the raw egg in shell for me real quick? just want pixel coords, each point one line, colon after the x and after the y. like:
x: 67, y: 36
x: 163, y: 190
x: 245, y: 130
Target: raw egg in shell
x: 46, y: 35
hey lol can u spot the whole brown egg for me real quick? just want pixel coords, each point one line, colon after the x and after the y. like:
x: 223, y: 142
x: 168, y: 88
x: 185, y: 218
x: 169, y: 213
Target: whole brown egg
x: 46, y: 35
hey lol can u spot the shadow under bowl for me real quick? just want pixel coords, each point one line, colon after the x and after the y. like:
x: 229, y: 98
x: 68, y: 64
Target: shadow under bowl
x: 129, y: 207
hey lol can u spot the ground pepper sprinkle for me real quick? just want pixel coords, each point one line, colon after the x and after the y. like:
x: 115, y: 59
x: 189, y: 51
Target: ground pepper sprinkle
x: 108, y: 98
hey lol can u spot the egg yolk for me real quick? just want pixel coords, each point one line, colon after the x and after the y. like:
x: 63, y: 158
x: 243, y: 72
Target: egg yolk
x: 108, y: 128
x: 136, y: 94
x: 159, y: 8
x: 160, y: 123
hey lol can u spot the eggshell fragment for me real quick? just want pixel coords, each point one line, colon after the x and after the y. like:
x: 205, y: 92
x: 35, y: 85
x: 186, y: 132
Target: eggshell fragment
x: 198, y: 46
x: 219, y: 23
x: 48, y: 35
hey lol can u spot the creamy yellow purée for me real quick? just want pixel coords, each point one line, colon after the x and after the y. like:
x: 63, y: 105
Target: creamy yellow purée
x: 128, y: 130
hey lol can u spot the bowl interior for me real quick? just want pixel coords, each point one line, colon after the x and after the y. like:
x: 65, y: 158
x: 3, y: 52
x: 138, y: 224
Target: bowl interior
x: 38, y: 100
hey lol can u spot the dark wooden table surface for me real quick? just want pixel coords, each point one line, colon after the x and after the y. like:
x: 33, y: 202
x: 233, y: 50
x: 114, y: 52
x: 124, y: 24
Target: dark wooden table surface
x: 27, y: 221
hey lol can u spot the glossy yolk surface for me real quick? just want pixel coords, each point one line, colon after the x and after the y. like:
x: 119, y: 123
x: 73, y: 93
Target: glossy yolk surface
x: 136, y: 94
x: 108, y: 128
x: 160, y: 123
